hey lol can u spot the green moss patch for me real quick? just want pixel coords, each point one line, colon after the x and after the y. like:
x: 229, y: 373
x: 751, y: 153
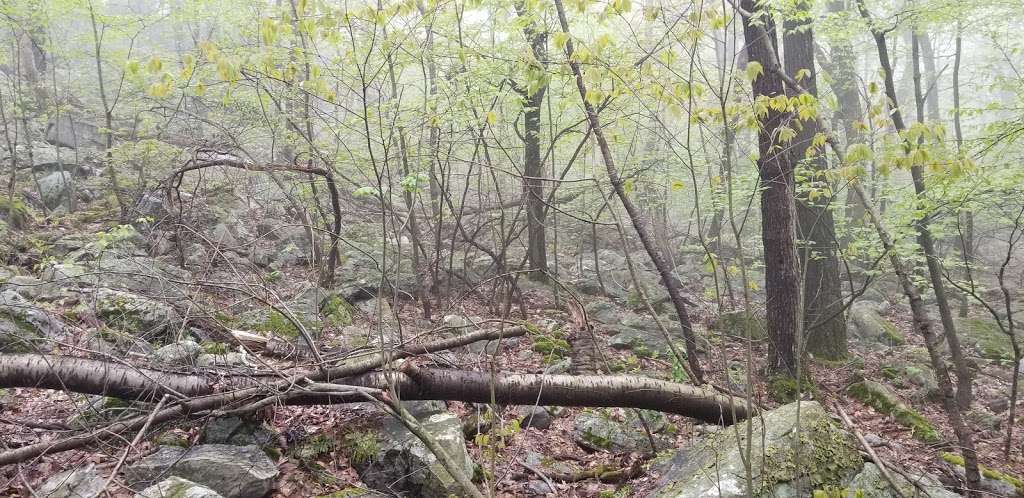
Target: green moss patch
x: 883, y: 400
x: 986, y: 337
x: 958, y: 460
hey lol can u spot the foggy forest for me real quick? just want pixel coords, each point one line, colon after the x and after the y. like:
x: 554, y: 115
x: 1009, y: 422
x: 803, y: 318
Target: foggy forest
x: 504, y: 248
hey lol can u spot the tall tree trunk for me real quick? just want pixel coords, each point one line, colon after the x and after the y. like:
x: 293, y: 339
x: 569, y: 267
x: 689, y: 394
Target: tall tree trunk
x: 967, y: 217
x: 533, y: 167
x: 108, y: 116
x: 922, y: 322
x: 824, y: 324
x: 668, y: 278
x: 843, y: 69
x: 927, y: 242
x: 778, y: 210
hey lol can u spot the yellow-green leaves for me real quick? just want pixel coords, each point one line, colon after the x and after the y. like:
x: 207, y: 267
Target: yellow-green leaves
x: 492, y: 118
x: 753, y: 70
x: 268, y: 31
x: 677, y: 185
x: 560, y: 38
x: 622, y: 6
x: 857, y: 153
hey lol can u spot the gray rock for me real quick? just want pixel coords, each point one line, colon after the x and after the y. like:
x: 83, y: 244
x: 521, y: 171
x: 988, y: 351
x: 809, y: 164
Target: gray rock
x: 53, y: 189
x: 222, y: 360
x: 178, y: 353
x: 740, y: 324
x: 237, y: 431
x: 223, y: 237
x: 998, y: 405
x: 403, y: 465
x: 70, y: 132
x: 76, y: 483
x: 537, y: 417
x: 176, y: 487
x: 134, y: 314
x: 538, y: 488
x: 714, y: 464
x: 872, y: 484
x: 643, y: 342
x: 231, y: 471
x: 153, y: 205
x: 601, y: 430
x: 25, y: 327
x: 867, y: 325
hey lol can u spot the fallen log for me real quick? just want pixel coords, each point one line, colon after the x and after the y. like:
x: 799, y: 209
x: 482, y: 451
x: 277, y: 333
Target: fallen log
x: 411, y: 382
x: 107, y: 378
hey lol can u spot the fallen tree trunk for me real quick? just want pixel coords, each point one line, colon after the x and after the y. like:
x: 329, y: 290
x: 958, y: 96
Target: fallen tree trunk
x: 107, y: 378
x: 99, y: 377
x: 626, y: 391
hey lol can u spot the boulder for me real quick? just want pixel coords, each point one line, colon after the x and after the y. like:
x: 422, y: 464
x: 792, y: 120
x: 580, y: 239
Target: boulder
x: 785, y: 462
x: 134, y: 314
x: 985, y: 336
x: 880, y: 397
x: 741, y: 324
x: 222, y: 360
x: 397, y: 462
x: 25, y: 327
x: 83, y: 482
x: 176, y: 487
x: 53, y: 189
x: 70, y: 132
x: 866, y: 324
x: 537, y: 417
x: 178, y: 353
x: 231, y: 471
x: 237, y: 431
x: 619, y: 431
x: 870, y: 483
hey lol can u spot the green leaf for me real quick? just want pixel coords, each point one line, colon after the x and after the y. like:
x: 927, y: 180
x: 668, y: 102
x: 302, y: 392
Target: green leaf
x: 754, y: 69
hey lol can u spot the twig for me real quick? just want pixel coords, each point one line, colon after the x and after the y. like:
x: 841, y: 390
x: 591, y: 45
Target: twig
x: 882, y: 465
x: 540, y: 474
x: 135, y: 441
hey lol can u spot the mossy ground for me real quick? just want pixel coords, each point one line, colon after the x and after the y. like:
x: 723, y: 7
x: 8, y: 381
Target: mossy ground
x: 877, y: 397
x: 1016, y: 482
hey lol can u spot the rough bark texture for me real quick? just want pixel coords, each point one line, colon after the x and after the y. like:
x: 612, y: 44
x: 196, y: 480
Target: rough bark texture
x: 844, y: 82
x: 824, y: 323
x: 533, y: 167
x: 778, y: 213
x: 668, y: 278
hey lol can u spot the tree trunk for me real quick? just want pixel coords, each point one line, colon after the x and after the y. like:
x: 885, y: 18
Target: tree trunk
x: 533, y: 167
x: 927, y: 241
x: 922, y: 322
x: 824, y: 324
x: 668, y: 278
x: 843, y: 69
x: 778, y: 211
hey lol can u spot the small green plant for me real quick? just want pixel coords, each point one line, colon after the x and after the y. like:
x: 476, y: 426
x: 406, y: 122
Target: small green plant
x: 361, y: 447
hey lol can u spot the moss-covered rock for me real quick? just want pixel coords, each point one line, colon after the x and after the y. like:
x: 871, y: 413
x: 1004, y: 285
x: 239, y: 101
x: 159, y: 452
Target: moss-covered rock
x: 985, y: 336
x: 742, y: 324
x: 884, y: 400
x: 994, y: 482
x: 605, y: 429
x: 796, y: 448
x: 866, y: 324
x: 870, y: 483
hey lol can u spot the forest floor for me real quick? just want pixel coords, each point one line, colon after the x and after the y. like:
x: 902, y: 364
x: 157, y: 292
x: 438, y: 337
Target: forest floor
x: 332, y: 470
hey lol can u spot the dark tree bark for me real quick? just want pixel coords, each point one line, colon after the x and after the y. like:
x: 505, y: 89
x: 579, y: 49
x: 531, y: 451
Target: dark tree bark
x: 778, y: 211
x: 843, y: 69
x: 533, y: 164
x: 824, y: 323
x: 668, y: 278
